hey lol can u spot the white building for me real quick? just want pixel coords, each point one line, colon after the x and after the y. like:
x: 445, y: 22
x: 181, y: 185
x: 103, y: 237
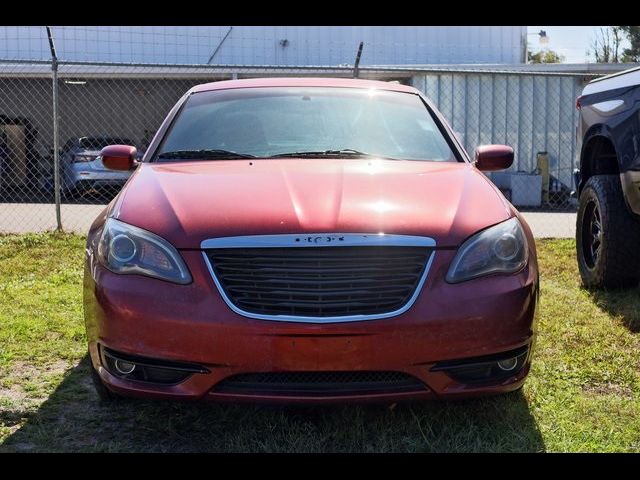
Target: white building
x: 271, y: 45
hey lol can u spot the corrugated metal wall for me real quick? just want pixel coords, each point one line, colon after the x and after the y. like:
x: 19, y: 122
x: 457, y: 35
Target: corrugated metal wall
x: 531, y: 113
x: 269, y: 45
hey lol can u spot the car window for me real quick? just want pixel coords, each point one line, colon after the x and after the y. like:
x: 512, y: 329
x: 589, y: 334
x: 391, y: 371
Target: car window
x: 98, y: 143
x: 270, y: 121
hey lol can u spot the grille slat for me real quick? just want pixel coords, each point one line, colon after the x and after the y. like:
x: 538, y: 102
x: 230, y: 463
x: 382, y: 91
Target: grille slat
x: 320, y: 383
x: 295, y: 269
x: 319, y: 281
x: 311, y: 304
x: 307, y: 292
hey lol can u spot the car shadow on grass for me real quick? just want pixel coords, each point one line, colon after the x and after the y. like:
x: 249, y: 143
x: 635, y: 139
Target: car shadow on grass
x: 620, y: 303
x: 72, y: 419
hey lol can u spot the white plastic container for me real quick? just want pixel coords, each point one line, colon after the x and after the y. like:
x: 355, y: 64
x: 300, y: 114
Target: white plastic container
x: 526, y: 189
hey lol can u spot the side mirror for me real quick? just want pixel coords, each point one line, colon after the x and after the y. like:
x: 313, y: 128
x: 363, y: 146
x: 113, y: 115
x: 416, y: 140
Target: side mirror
x: 493, y: 157
x: 119, y: 157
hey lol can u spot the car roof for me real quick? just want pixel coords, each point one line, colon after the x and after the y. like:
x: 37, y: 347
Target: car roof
x: 100, y: 139
x: 303, y: 82
x: 95, y: 143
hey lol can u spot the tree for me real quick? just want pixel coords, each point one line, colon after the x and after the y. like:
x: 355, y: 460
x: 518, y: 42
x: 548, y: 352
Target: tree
x: 545, y: 56
x: 606, y: 45
x: 631, y: 54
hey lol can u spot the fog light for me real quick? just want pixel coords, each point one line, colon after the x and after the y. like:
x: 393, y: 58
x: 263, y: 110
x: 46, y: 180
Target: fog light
x: 508, y: 364
x: 143, y: 369
x: 486, y: 369
x: 123, y: 367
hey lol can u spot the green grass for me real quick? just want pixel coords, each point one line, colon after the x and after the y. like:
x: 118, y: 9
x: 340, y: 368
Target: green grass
x: 583, y: 393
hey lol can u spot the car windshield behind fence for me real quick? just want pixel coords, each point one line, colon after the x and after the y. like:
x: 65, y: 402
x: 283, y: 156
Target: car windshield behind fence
x: 98, y: 143
x: 310, y: 121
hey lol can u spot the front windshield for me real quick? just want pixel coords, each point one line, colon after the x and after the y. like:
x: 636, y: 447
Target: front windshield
x: 280, y: 121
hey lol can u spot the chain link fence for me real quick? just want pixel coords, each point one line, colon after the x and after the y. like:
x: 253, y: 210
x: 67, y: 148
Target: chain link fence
x: 533, y: 113
x: 99, y: 103
x: 96, y: 105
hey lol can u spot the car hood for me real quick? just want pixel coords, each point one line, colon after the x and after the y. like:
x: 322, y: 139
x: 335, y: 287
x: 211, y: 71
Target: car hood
x: 189, y: 202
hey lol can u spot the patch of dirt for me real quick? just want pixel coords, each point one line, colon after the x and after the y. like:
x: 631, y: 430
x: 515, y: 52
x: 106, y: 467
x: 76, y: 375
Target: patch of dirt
x: 14, y: 394
x: 20, y: 373
x: 609, y: 389
x: 26, y: 371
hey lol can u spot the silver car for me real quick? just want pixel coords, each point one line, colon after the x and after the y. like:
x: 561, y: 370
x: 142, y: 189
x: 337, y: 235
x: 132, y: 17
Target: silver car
x: 82, y: 167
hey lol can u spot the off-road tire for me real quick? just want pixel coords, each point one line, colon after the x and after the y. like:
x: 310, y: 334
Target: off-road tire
x: 613, y: 261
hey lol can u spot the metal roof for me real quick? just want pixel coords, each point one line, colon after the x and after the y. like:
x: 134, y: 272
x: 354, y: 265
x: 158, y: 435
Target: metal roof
x: 42, y: 69
x: 303, y: 82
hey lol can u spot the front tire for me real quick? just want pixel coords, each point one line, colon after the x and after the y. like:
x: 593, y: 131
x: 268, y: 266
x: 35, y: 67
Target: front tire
x: 607, y: 236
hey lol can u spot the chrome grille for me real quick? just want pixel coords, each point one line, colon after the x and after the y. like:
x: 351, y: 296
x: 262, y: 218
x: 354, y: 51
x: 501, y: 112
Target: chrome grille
x: 319, y: 282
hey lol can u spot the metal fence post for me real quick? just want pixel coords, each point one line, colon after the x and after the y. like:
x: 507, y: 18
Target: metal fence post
x: 356, y: 65
x: 56, y: 159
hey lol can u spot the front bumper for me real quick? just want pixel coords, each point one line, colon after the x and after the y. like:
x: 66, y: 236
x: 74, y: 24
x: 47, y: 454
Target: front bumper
x: 151, y: 318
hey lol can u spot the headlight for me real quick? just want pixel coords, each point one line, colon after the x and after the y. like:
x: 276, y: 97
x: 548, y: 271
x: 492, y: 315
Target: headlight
x: 498, y: 249
x: 83, y: 158
x: 127, y: 249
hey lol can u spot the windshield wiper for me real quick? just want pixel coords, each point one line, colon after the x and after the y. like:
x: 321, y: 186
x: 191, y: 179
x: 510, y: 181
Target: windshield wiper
x: 205, y: 154
x: 329, y: 153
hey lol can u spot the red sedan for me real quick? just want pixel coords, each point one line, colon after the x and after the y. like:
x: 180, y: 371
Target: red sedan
x: 309, y: 240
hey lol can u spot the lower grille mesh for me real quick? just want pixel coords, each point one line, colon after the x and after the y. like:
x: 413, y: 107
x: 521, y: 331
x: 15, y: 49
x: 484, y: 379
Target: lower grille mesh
x: 319, y: 282
x: 319, y: 383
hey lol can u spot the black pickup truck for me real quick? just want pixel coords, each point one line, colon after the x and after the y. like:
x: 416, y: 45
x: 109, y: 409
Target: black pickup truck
x: 608, y: 181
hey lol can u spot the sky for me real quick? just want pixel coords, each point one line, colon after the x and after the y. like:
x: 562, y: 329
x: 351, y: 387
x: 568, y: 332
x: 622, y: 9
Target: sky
x: 572, y: 42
